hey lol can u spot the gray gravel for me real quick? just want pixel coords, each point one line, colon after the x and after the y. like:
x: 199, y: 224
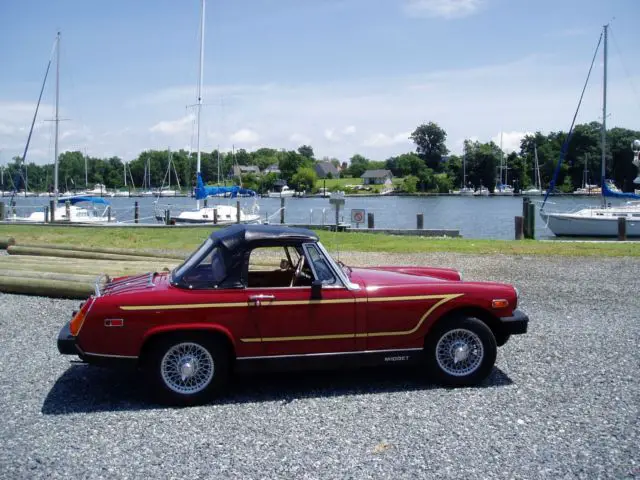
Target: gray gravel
x: 563, y: 401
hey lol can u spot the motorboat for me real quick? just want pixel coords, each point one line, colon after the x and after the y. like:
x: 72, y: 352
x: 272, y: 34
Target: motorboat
x: 285, y: 192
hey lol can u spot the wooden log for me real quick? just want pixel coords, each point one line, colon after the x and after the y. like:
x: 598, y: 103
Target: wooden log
x: 52, y: 252
x: 519, y: 224
x: 65, y: 277
x: 622, y: 228
x: 109, y: 268
x: 6, y: 242
x: 46, y: 288
x: 118, y: 251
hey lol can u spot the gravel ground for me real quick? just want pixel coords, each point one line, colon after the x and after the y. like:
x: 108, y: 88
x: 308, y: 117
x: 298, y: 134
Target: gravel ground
x: 562, y: 402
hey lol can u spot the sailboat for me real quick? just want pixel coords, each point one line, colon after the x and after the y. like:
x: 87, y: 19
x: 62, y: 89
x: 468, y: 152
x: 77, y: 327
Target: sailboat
x: 536, y: 189
x: 66, y: 208
x: 501, y: 189
x: 601, y: 221
x: 220, y: 213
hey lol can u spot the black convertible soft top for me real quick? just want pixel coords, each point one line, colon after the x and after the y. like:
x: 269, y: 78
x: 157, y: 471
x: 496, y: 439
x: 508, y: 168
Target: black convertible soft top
x: 241, y: 237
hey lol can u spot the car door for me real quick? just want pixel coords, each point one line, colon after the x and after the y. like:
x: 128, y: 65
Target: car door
x: 291, y: 322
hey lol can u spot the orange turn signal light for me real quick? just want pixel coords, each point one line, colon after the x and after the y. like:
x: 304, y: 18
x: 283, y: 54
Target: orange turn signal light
x: 500, y: 303
x: 76, y: 323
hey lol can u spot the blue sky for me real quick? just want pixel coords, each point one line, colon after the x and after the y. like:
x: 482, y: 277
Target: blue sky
x: 346, y: 76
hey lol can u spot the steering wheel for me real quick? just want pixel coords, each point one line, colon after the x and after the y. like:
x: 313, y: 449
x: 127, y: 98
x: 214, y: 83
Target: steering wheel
x: 299, y: 273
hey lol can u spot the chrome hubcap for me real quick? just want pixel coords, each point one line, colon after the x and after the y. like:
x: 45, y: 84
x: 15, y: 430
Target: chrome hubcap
x: 187, y: 368
x: 459, y: 352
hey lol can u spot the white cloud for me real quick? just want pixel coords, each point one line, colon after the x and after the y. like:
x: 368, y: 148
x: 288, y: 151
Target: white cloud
x: 299, y: 139
x: 174, y: 127
x: 244, y: 136
x: 510, y: 140
x: 330, y: 134
x: 349, y: 130
x: 442, y: 8
x: 384, y: 140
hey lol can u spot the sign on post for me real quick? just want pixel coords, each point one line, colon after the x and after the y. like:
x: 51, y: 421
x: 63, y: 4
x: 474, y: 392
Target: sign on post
x: 357, y: 215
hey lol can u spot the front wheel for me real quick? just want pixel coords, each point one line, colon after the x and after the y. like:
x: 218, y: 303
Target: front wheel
x: 461, y: 351
x: 188, y: 369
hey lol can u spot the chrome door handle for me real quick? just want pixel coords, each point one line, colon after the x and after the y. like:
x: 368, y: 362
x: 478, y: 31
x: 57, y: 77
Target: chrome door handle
x: 259, y: 298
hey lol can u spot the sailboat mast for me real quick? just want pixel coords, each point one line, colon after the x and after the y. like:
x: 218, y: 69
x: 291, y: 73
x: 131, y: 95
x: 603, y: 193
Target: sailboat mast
x: 199, y: 106
x: 464, y: 165
x: 604, y: 117
x: 57, y: 121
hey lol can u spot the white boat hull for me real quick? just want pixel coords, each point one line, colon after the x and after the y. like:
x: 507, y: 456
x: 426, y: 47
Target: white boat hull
x: 226, y: 215
x: 77, y: 215
x: 596, y: 222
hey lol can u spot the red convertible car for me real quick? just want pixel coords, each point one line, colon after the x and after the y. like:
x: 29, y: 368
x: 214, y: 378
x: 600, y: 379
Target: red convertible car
x: 256, y: 297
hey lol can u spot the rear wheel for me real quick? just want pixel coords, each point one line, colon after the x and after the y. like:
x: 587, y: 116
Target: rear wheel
x: 188, y: 369
x: 460, y: 351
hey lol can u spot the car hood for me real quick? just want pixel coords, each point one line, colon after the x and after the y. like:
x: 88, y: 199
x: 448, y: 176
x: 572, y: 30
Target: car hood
x: 388, y: 276
x: 151, y: 281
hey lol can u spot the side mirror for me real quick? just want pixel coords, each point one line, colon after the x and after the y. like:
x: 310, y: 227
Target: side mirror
x: 316, y: 290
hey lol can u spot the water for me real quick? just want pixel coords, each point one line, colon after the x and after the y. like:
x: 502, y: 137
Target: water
x: 474, y: 217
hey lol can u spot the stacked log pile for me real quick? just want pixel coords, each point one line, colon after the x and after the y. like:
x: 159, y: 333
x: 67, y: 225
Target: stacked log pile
x: 64, y: 271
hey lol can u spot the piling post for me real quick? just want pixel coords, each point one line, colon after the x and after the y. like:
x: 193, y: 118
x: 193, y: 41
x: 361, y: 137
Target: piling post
x: 205, y: 203
x: 281, y: 209
x: 531, y: 220
x: 215, y: 216
x: 67, y: 210
x: 52, y: 209
x: 519, y: 224
x: 420, y: 221
x: 370, y: 220
x: 136, y: 212
x: 622, y: 228
x: 238, y: 211
x: 2, y: 214
x: 337, y: 215
x: 167, y: 217
x: 46, y: 214
x: 525, y: 216
x: 108, y: 213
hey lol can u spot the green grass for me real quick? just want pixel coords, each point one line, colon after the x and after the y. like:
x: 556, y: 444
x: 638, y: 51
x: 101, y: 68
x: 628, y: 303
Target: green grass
x: 341, y: 182
x: 186, y: 239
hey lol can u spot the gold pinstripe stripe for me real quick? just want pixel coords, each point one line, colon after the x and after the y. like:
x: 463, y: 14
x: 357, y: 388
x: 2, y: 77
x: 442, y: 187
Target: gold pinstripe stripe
x: 277, y: 303
x: 443, y: 299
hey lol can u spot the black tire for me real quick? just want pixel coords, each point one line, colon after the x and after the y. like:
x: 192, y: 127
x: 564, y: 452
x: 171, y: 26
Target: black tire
x: 466, y: 336
x: 195, y: 352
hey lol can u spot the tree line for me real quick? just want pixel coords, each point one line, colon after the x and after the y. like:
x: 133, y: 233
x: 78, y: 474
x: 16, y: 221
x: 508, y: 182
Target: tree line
x: 428, y: 168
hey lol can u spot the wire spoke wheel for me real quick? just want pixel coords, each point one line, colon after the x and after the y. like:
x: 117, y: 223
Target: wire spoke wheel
x: 187, y: 368
x: 459, y: 352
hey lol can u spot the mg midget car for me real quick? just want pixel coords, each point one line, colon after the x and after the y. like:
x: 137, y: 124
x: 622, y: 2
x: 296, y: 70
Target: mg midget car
x: 260, y: 297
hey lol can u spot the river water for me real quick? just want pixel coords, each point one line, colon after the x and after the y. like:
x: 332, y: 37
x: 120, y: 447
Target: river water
x: 474, y: 217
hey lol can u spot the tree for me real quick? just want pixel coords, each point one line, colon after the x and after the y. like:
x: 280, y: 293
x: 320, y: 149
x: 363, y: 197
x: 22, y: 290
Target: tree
x: 306, y: 151
x: 290, y: 163
x: 304, y: 179
x: 409, y: 184
x: 358, y: 165
x: 430, y: 144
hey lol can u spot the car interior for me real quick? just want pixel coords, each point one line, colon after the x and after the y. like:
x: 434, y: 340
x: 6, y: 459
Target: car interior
x: 274, y: 267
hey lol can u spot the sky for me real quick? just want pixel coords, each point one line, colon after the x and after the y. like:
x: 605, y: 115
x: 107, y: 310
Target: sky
x: 345, y: 76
